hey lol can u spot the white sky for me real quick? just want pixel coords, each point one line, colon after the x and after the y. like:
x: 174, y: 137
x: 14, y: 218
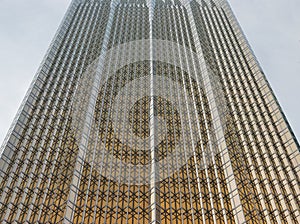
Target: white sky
x: 27, y: 27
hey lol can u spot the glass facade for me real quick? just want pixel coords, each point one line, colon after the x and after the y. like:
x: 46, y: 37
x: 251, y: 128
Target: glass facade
x: 150, y: 111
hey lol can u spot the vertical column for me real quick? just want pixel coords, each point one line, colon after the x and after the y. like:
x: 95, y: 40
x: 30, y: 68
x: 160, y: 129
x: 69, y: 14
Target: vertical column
x: 154, y: 184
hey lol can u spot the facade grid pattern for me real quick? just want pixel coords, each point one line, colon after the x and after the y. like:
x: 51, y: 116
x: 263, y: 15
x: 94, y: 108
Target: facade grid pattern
x: 150, y: 111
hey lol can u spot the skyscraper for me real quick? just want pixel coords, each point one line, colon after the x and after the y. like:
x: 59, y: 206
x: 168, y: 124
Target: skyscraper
x: 150, y: 112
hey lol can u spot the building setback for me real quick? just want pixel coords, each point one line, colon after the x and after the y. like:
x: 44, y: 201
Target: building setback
x: 150, y: 111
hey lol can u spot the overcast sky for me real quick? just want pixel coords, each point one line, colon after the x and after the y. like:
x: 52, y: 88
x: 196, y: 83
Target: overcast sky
x: 27, y: 27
